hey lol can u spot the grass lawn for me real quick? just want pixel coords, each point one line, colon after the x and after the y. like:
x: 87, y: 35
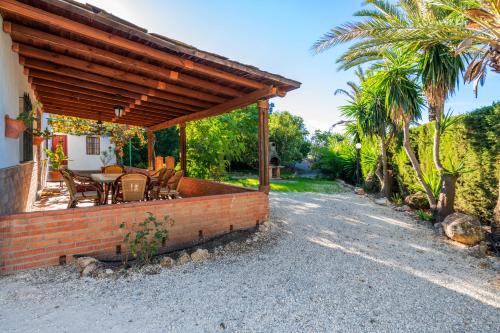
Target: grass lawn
x: 296, y: 184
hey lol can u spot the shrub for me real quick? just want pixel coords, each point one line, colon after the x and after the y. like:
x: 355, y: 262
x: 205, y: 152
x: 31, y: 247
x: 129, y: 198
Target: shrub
x: 424, y: 216
x: 145, y: 238
x: 471, y: 146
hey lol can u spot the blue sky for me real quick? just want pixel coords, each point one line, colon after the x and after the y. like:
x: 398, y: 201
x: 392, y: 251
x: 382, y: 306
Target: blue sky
x: 275, y: 36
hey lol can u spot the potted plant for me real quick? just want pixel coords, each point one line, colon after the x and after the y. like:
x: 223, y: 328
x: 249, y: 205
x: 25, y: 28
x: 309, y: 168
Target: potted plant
x: 13, y: 127
x: 56, y: 158
x: 39, y: 136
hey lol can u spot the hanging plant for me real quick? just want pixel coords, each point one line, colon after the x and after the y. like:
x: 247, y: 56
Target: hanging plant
x: 39, y: 136
x: 13, y: 127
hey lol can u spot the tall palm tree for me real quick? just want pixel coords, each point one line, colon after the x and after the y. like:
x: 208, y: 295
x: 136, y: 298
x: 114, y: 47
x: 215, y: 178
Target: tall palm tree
x: 440, y: 67
x: 395, y: 79
x: 370, y: 119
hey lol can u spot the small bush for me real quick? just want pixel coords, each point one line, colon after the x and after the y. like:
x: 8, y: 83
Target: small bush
x: 397, y: 199
x: 424, y: 216
x: 145, y: 238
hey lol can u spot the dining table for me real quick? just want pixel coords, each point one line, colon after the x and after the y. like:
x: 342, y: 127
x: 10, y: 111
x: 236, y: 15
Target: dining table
x: 107, y: 180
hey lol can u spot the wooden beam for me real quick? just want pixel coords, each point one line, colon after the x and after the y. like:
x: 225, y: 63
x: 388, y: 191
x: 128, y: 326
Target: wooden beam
x: 92, y: 107
x: 79, y: 79
x: 60, y: 87
x: 105, y: 71
x: 221, y: 108
x: 263, y: 144
x: 41, y: 16
x: 150, y: 135
x: 90, y: 116
x: 79, y: 83
x: 182, y: 147
x: 31, y: 36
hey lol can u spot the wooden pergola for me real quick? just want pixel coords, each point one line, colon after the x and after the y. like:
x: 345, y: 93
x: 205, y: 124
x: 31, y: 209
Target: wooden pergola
x: 82, y: 61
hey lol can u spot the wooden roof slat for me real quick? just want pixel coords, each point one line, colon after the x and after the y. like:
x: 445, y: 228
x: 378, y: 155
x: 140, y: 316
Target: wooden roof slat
x: 81, y: 103
x: 92, y: 116
x: 27, y: 35
x: 78, y: 82
x: 79, y: 90
x: 102, y: 80
x: 30, y: 52
x: 51, y: 88
x: 66, y: 96
x: 51, y: 104
x: 60, y: 22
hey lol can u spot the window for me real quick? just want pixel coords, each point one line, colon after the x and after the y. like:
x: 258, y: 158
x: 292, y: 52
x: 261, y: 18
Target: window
x: 93, y: 145
x: 27, y: 141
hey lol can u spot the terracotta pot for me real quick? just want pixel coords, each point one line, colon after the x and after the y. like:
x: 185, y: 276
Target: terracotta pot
x: 37, y: 140
x: 54, y: 176
x: 13, y: 127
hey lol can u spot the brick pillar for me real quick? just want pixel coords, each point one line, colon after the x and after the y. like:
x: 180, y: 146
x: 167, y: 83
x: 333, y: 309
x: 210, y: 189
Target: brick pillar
x: 182, y: 147
x: 263, y: 144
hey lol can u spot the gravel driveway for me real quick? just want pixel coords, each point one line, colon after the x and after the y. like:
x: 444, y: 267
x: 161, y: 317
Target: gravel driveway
x: 334, y: 262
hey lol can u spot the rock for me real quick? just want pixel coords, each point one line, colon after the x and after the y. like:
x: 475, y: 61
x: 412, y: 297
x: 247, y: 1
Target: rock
x: 200, y: 255
x: 359, y: 191
x: 83, y: 262
x: 167, y: 262
x: 102, y: 273
x: 90, y: 270
x: 403, y: 208
x: 184, y: 259
x: 482, y: 249
x: 417, y: 200
x: 463, y: 228
x: 438, y: 228
x: 382, y: 201
x: 151, y: 269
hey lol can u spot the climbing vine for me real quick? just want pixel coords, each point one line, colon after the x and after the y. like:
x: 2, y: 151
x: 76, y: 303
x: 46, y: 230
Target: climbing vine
x: 119, y: 134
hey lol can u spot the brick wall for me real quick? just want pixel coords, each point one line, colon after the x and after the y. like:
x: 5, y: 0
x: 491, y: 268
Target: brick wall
x: 192, y: 187
x: 18, y: 186
x: 39, y: 239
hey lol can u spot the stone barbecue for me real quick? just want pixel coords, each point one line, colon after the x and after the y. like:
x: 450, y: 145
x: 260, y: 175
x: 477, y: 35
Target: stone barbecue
x: 274, y: 162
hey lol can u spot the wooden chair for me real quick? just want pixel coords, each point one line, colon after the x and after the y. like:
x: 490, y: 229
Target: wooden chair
x: 131, y: 187
x: 114, y: 168
x: 163, y: 177
x: 171, y: 189
x: 170, y: 162
x: 80, y: 189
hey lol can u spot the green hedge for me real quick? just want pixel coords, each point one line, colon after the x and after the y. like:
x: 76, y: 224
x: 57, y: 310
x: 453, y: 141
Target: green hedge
x: 474, y: 140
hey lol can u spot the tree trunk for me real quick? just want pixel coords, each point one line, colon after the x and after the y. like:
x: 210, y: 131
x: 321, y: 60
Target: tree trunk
x: 416, y: 166
x: 496, y: 213
x: 432, y: 112
x: 385, y: 189
x: 447, y: 196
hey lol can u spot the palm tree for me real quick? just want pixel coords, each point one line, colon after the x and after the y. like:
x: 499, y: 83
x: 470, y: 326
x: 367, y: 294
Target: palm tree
x: 477, y: 32
x: 440, y: 67
x: 394, y: 78
x: 470, y: 27
x: 370, y: 119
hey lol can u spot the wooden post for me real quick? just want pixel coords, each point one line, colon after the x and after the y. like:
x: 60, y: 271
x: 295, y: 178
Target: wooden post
x: 182, y: 147
x: 263, y: 106
x: 150, y: 150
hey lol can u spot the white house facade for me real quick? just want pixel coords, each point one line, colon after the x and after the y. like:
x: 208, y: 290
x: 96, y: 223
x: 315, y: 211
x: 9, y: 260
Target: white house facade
x: 18, y: 157
x: 86, y: 152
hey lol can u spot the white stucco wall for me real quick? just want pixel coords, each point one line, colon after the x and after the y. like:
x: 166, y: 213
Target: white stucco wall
x: 13, y: 83
x: 77, y: 153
